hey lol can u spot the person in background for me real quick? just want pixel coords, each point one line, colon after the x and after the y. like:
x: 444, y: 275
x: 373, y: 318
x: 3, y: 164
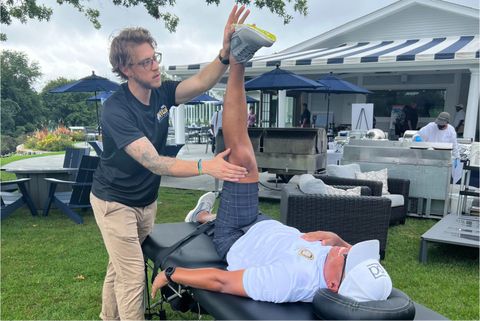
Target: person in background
x: 459, y: 119
x: 135, y: 129
x: 305, y: 117
x: 252, y: 118
x: 411, y: 116
x: 215, y: 125
x: 440, y: 131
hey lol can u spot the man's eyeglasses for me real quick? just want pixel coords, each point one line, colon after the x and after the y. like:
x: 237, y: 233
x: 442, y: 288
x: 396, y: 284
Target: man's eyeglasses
x: 148, y: 63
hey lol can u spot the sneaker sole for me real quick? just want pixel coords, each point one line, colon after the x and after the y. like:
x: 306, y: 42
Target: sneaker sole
x: 188, y: 218
x: 270, y: 37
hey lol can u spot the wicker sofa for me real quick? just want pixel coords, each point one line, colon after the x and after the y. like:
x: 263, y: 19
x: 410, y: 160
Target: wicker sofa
x: 354, y: 218
x: 395, y: 186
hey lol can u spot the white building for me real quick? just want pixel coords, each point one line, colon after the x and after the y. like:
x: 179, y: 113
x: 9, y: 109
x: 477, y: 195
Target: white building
x: 422, y: 51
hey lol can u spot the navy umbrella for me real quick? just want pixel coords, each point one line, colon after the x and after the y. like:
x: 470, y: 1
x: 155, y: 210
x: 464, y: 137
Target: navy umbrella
x: 201, y: 99
x: 250, y: 100
x: 100, y: 96
x: 88, y: 84
x: 334, y: 85
x: 279, y: 79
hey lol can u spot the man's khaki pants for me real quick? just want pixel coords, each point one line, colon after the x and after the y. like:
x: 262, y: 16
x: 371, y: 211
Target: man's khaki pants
x: 123, y: 230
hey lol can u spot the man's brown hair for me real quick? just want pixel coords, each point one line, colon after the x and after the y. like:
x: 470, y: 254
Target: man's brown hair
x: 122, y: 45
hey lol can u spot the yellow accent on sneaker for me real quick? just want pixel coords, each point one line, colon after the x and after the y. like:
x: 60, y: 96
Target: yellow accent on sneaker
x: 267, y: 34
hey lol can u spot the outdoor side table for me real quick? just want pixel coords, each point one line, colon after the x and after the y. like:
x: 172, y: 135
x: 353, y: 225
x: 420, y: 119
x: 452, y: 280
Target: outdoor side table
x: 452, y: 229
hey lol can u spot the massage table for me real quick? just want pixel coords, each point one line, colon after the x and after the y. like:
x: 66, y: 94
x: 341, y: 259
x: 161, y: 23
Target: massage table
x: 171, y: 244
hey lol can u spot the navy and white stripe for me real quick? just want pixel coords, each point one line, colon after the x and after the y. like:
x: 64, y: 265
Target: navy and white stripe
x: 388, y: 51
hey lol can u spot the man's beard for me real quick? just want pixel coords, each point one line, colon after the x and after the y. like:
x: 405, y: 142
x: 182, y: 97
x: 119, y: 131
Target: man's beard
x: 145, y: 84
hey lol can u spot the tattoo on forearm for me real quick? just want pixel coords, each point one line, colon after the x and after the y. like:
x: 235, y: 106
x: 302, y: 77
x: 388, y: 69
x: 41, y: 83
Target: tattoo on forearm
x: 144, y: 153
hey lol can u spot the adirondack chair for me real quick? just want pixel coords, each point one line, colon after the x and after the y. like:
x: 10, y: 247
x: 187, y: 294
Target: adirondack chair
x: 79, y: 197
x: 97, y: 146
x: 73, y: 156
x: 13, y: 195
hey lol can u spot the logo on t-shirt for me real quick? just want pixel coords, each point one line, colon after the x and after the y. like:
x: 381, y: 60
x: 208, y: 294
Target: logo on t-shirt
x: 306, y: 253
x: 162, y: 113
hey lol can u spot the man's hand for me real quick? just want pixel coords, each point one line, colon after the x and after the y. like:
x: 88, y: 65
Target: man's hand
x: 235, y: 17
x: 159, y: 282
x: 326, y: 238
x: 221, y: 169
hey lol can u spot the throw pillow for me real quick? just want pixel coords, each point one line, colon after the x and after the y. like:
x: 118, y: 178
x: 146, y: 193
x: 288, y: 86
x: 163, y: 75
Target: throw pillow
x: 311, y: 185
x: 356, y: 191
x: 381, y: 175
x: 344, y: 171
x: 308, y: 184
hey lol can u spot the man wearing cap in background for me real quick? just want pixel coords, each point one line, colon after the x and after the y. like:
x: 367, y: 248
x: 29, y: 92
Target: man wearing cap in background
x: 459, y: 119
x: 440, y: 131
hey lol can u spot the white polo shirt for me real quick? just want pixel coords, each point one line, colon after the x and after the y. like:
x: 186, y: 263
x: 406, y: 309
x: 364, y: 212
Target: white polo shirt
x: 279, y: 265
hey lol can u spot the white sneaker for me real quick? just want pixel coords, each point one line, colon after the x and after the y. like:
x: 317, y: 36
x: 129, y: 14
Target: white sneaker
x: 247, y: 39
x: 205, y: 203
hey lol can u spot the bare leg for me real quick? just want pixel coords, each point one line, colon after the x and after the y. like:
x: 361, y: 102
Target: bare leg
x: 234, y: 121
x: 238, y: 201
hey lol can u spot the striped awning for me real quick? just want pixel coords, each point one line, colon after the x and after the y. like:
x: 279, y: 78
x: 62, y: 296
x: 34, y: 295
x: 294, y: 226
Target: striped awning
x: 461, y: 48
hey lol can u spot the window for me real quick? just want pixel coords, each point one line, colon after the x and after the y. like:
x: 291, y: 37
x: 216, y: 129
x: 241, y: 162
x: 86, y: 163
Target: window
x: 430, y: 102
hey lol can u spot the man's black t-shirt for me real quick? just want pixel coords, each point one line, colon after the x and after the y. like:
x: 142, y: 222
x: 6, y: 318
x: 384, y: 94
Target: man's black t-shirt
x: 119, y: 177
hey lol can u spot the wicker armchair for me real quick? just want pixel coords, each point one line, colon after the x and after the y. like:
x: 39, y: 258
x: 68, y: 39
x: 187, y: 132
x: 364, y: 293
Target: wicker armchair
x: 353, y: 218
x: 395, y: 186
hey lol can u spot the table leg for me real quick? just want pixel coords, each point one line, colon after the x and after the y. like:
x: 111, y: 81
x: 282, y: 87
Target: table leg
x: 423, y: 251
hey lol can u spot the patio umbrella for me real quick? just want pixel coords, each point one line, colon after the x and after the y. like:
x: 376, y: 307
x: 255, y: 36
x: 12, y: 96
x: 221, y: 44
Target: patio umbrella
x: 102, y: 96
x: 251, y: 100
x: 334, y: 85
x: 201, y: 99
x: 279, y: 79
x: 88, y: 84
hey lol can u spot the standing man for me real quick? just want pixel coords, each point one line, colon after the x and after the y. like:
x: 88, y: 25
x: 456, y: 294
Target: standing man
x: 440, y: 131
x: 459, y: 120
x: 125, y: 186
x: 411, y: 116
x: 215, y: 125
x: 305, y: 118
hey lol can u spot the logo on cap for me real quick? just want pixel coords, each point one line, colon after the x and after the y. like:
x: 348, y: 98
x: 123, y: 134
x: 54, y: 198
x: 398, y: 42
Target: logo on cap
x: 376, y: 270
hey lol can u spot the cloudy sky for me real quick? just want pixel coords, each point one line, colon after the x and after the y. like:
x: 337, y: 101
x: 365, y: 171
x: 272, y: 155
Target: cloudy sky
x: 68, y: 45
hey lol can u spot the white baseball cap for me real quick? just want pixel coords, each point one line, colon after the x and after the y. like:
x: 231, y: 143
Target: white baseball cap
x: 365, y: 278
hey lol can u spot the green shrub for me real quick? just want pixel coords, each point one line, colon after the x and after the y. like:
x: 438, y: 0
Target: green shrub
x: 8, y: 144
x: 77, y: 136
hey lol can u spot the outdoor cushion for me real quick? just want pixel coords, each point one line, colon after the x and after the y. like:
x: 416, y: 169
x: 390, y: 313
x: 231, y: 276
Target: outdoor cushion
x: 308, y: 184
x: 381, y: 176
x: 397, y: 199
x: 345, y: 171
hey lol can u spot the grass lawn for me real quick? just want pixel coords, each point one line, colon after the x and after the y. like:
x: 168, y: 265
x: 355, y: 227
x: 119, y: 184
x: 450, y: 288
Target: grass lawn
x: 53, y: 269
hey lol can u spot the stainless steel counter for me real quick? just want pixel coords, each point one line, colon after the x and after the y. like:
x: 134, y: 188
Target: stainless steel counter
x: 429, y: 170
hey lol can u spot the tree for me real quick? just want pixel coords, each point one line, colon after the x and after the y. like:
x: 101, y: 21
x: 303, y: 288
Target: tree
x: 29, y: 9
x: 20, y: 102
x: 70, y: 109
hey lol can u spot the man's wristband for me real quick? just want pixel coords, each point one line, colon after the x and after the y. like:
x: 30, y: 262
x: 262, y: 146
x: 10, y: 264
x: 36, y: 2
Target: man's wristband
x: 223, y: 60
x: 199, y: 166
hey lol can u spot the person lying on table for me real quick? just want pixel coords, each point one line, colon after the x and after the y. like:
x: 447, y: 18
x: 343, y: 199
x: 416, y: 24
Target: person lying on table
x: 270, y: 261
